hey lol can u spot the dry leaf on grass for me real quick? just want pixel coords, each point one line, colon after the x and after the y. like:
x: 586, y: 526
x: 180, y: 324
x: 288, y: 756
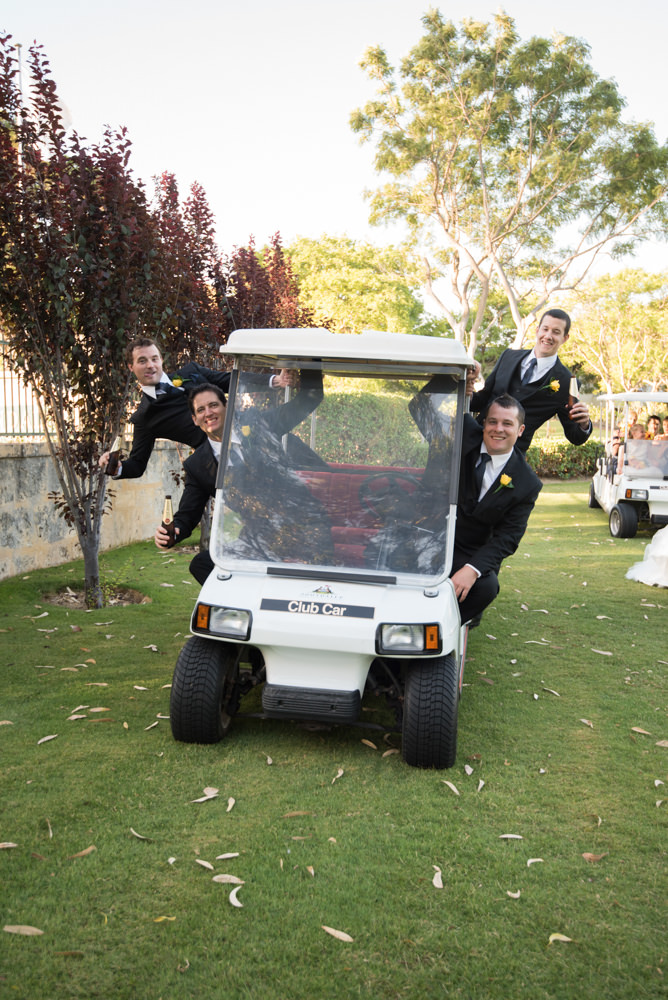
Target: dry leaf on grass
x: 534, y: 861
x: 297, y: 812
x: 152, y: 726
x: 637, y: 729
x: 139, y: 836
x: 657, y: 782
x: 233, y: 898
x: 230, y: 804
x: 228, y: 879
x: 339, y: 935
x: 204, y: 864
x: 86, y: 851
x: 437, y: 880
x: 586, y: 722
x: 139, y: 687
x: 558, y: 937
x: 603, y: 652
x: 209, y: 793
x: 481, y: 784
x: 468, y: 769
x: 45, y: 739
x: 310, y: 869
x: 450, y: 786
x: 388, y: 753
x: 7, y: 844
x: 24, y: 929
x: 510, y: 836
x: 550, y: 691
x: 73, y: 718
x: 100, y: 708
x: 513, y: 895
x: 368, y: 743
x: 661, y: 743
x: 6, y: 722
x: 159, y: 920
x: 226, y: 857
x: 593, y: 857
x: 339, y: 773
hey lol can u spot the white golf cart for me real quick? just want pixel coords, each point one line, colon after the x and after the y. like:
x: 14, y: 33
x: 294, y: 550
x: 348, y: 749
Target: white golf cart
x: 631, y: 478
x: 332, y: 540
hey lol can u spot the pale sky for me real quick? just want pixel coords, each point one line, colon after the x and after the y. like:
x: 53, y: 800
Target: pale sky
x: 253, y: 99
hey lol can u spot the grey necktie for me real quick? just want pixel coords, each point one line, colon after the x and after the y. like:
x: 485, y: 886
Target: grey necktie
x: 529, y: 373
x: 479, y: 473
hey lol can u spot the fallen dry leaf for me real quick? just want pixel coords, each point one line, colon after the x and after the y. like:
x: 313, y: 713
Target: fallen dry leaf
x: 73, y: 718
x: 310, y: 869
x: 228, y: 879
x: 138, y: 835
x: 481, y: 784
x: 6, y: 722
x: 510, y: 836
x: 388, y: 753
x: 297, y: 812
x: 339, y: 935
x: 657, y: 782
x: 233, y: 898
x: 340, y: 772
x: 152, y: 726
x: 450, y: 786
x: 86, y: 851
x: 139, y: 687
x: 468, y: 769
x: 226, y: 857
x: 534, y: 861
x: 586, y: 722
x: 100, y: 708
x: 437, y: 880
x: 204, y: 864
x: 637, y: 729
x: 558, y: 937
x: 513, y: 895
x: 209, y: 793
x: 230, y: 804
x: 24, y: 929
x: 603, y: 652
x: 593, y: 857
x: 7, y: 844
x: 45, y: 739
x: 159, y: 920
x: 661, y: 743
x: 550, y: 691
x: 368, y: 743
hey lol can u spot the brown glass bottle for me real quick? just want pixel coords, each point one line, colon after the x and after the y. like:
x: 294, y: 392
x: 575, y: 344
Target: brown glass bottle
x: 572, y: 394
x: 168, y: 520
x: 114, y: 458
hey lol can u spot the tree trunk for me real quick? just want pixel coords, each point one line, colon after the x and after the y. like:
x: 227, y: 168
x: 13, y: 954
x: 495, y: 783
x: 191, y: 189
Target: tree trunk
x: 93, y: 588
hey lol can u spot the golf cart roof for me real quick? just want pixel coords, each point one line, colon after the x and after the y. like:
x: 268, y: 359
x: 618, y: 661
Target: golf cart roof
x: 372, y: 345
x: 634, y: 397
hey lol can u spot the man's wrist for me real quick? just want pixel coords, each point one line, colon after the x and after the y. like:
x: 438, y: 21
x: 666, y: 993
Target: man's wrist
x: 476, y: 571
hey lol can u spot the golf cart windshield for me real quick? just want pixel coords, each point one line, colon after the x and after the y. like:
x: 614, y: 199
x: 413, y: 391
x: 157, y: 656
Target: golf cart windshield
x: 343, y: 472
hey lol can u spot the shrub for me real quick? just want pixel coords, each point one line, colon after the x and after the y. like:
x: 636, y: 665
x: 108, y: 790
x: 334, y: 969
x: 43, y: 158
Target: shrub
x: 563, y: 460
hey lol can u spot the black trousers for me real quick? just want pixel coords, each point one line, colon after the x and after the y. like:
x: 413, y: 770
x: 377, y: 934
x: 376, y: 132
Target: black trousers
x: 200, y: 566
x: 482, y: 593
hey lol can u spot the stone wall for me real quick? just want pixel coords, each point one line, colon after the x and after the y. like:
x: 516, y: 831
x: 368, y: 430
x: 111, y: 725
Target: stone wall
x: 32, y: 535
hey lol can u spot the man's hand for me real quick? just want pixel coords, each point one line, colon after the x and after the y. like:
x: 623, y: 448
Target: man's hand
x: 284, y: 379
x: 472, y: 376
x: 162, y: 538
x: 463, y: 580
x: 579, y: 412
x: 103, y: 460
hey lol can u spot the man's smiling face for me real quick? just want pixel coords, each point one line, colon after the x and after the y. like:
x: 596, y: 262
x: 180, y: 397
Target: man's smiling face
x: 550, y: 337
x: 209, y: 414
x: 501, y: 429
x: 147, y: 365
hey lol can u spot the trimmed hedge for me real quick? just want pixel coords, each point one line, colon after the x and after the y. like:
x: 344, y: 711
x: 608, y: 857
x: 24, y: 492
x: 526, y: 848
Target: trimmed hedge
x: 563, y: 460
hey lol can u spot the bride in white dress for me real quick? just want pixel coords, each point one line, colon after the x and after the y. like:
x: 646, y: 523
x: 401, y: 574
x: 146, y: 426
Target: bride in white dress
x: 653, y: 570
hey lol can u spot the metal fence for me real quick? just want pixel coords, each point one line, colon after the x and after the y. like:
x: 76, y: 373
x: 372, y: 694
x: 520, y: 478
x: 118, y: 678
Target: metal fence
x: 19, y: 414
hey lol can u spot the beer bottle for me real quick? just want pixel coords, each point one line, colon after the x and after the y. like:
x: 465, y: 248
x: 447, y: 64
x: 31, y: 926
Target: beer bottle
x: 572, y: 393
x: 168, y: 520
x: 114, y: 458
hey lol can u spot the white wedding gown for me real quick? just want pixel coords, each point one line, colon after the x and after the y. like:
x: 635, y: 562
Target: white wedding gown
x: 653, y: 570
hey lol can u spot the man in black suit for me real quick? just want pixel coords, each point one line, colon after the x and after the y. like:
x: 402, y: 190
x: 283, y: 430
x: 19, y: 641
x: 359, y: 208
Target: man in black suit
x: 164, y: 411
x: 539, y: 381
x: 497, y: 493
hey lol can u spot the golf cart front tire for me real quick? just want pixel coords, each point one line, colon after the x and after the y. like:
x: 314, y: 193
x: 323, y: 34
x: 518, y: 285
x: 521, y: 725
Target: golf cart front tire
x: 204, y: 693
x: 431, y: 702
x: 623, y: 520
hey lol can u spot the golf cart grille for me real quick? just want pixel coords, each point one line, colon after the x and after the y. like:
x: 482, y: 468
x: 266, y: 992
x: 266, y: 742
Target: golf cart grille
x: 310, y: 703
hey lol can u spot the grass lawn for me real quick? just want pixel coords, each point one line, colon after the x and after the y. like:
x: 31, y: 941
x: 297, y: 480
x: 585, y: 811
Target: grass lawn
x: 562, y: 716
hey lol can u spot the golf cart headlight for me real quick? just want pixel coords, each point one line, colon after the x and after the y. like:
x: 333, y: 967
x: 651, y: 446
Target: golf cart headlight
x: 397, y: 638
x: 636, y: 494
x: 234, y: 623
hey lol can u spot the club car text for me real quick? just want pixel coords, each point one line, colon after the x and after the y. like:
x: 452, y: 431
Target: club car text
x: 318, y: 608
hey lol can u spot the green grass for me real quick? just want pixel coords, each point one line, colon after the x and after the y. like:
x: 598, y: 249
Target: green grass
x: 373, y: 835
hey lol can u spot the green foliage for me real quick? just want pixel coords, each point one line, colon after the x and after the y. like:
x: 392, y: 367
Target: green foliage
x: 620, y: 330
x: 497, y: 150
x: 550, y: 458
x: 353, y: 286
x: 373, y: 835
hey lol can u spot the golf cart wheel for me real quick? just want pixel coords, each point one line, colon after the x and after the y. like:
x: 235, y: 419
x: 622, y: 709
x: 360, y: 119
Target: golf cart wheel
x: 593, y: 502
x: 204, y: 690
x: 623, y: 520
x: 431, y: 700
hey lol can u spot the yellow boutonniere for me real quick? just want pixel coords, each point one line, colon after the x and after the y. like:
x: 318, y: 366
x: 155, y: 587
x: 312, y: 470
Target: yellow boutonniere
x: 178, y: 382
x: 245, y: 430
x: 554, y: 385
x: 504, y: 481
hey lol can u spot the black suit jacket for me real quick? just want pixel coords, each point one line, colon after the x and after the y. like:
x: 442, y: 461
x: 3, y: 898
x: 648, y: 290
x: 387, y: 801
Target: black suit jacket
x: 201, y: 470
x: 168, y: 417
x: 490, y: 529
x: 539, y: 399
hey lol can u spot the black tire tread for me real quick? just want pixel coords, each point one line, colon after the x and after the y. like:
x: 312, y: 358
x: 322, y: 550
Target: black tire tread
x: 201, y: 675
x: 431, y: 702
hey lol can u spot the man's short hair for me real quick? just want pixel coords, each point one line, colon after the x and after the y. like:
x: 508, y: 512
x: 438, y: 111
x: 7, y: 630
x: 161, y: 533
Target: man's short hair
x: 508, y: 402
x: 557, y: 314
x: 205, y: 387
x: 138, y: 343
